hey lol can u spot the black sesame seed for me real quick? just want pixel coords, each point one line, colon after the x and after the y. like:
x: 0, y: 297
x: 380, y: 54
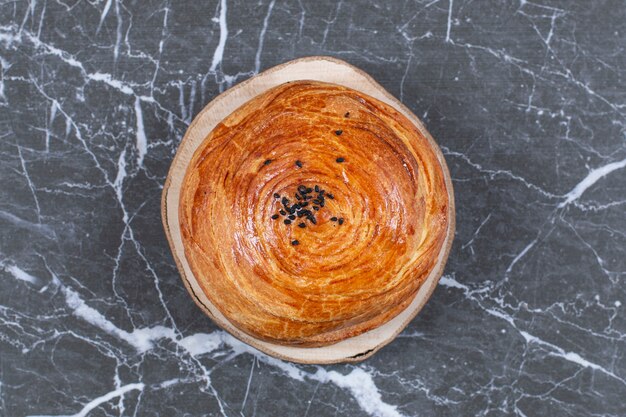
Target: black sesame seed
x: 317, y: 189
x: 316, y: 208
x: 330, y: 196
x: 294, y: 242
x: 312, y: 219
x: 275, y: 216
x: 322, y: 203
x: 340, y: 160
x: 302, y: 189
x: 283, y: 212
x: 302, y: 225
x: 304, y: 204
x: 341, y: 220
x: 308, y: 197
x: 267, y: 161
x: 298, y: 196
x: 309, y: 190
x: 276, y: 195
x: 285, y: 201
x: 291, y: 217
x: 347, y: 114
x: 287, y: 221
x: 333, y: 219
x: 299, y: 164
x: 338, y: 132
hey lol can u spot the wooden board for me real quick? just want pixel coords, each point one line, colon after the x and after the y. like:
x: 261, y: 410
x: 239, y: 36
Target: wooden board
x: 311, y: 68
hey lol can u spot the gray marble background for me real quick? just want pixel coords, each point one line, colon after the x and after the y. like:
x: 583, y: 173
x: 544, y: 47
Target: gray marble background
x: 527, y: 100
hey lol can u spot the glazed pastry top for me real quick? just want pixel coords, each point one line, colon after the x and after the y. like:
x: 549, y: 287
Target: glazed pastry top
x: 313, y: 213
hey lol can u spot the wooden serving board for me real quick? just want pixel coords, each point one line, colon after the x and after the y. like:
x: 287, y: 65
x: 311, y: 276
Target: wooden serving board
x: 318, y: 68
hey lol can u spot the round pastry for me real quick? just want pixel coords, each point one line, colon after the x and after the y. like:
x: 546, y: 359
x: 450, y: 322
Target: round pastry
x: 313, y: 213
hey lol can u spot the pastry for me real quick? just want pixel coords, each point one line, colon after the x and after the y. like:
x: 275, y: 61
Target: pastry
x: 313, y: 213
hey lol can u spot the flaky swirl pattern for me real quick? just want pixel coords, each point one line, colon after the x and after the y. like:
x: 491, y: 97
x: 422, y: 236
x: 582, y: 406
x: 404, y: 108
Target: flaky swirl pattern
x: 319, y: 283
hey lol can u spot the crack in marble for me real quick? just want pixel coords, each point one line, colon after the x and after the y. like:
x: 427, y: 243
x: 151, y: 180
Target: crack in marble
x: 498, y: 172
x: 552, y: 349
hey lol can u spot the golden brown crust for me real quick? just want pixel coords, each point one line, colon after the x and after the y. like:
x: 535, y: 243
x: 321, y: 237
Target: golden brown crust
x: 341, y: 279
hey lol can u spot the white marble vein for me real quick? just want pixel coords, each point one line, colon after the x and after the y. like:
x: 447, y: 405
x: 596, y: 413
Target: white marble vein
x: 20, y: 274
x: 552, y: 349
x: 259, y: 51
x: 449, y: 25
x: 93, y: 404
x: 142, y: 141
x: 218, y: 55
x: 358, y: 382
x: 592, y: 177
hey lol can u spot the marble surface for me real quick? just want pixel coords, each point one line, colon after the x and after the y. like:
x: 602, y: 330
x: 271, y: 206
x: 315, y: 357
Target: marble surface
x: 527, y: 100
